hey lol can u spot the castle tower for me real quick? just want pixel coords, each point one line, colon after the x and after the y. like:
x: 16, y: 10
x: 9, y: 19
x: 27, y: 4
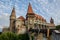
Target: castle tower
x: 30, y: 16
x: 12, y: 20
x: 51, y: 21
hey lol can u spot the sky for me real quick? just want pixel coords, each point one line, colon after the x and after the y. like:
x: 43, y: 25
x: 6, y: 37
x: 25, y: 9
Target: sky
x: 45, y: 8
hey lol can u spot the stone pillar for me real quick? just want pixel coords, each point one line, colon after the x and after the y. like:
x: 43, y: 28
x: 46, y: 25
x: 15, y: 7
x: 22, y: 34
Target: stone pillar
x: 31, y: 36
x: 48, y: 32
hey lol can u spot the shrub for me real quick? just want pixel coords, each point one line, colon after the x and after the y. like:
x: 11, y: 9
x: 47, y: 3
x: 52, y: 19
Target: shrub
x: 13, y: 36
x: 8, y: 36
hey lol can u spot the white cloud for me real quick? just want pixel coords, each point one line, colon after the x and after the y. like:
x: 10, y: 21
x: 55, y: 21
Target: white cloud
x: 43, y: 1
x: 17, y: 1
x: 1, y: 27
x: 4, y: 19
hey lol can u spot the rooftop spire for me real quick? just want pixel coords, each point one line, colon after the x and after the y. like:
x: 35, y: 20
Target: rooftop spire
x: 30, y: 9
x: 51, y: 20
x: 13, y: 12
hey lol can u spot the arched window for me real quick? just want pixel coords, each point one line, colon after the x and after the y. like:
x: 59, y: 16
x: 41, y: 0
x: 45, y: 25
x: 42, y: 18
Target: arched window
x: 18, y: 25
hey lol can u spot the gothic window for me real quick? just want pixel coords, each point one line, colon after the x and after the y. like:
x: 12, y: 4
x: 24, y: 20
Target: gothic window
x: 39, y: 26
x: 45, y: 26
x: 18, y: 25
x: 14, y: 21
x: 35, y: 26
x: 30, y: 21
x: 42, y: 26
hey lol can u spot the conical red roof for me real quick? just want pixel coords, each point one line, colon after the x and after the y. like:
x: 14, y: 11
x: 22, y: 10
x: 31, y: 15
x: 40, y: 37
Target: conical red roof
x: 29, y: 9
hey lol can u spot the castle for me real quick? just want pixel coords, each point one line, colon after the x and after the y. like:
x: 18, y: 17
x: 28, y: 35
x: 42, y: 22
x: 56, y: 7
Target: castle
x: 20, y: 25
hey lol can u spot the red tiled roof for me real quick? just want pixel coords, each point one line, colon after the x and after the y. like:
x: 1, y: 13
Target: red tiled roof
x: 21, y: 17
x: 38, y: 16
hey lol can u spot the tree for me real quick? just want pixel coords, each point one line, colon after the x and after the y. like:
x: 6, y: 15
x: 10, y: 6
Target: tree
x: 23, y: 37
x: 8, y: 36
x: 13, y: 36
x: 58, y: 27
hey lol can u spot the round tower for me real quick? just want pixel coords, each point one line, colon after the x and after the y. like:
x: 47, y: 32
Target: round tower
x: 12, y: 20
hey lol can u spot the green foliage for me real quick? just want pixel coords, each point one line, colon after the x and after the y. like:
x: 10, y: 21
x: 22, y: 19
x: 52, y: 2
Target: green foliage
x: 8, y: 36
x: 23, y: 37
x: 13, y: 36
x: 32, y: 37
x: 58, y: 27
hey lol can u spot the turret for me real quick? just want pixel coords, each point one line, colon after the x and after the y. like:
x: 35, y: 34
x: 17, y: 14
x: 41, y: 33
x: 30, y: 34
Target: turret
x: 30, y: 17
x: 12, y: 20
x: 29, y: 11
x: 51, y: 21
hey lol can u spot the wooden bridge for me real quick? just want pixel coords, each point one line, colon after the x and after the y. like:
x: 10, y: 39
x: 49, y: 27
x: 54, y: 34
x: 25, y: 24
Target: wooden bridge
x: 39, y: 33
